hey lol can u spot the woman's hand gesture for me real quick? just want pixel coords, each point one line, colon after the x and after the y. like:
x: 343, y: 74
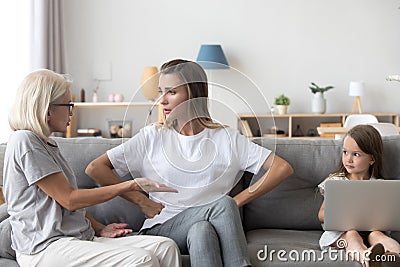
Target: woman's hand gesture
x: 114, y: 230
x: 147, y: 185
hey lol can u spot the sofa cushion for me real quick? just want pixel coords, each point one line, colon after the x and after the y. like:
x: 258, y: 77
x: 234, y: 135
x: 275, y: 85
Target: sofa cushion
x: 2, y: 151
x: 3, y: 212
x: 395, y: 235
x: 5, y: 245
x: 8, y: 263
x: 295, y: 203
x: 391, y: 150
x: 79, y: 152
x: 276, y: 247
x: 118, y: 210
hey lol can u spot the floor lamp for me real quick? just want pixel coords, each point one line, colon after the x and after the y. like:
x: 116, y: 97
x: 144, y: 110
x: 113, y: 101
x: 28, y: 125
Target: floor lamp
x: 356, y: 89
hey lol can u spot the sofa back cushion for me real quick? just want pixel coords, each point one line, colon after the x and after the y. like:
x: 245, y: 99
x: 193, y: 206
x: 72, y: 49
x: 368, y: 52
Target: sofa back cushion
x: 5, y: 245
x: 2, y: 151
x: 79, y: 152
x: 295, y: 203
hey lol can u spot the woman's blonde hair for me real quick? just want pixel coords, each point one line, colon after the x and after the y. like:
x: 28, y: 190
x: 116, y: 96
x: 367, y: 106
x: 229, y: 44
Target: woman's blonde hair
x: 38, y: 90
x: 195, y: 79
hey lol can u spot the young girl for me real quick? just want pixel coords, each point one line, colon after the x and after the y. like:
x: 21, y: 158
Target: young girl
x: 202, y: 159
x: 361, y: 160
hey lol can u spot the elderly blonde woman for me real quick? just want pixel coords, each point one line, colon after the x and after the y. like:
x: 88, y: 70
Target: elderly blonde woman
x: 50, y: 226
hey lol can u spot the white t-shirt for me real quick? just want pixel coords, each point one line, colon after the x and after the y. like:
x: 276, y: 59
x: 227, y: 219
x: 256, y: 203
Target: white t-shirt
x: 202, y: 167
x: 37, y: 219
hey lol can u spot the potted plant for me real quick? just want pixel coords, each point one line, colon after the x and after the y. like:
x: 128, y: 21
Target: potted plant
x: 281, y: 103
x: 318, y: 104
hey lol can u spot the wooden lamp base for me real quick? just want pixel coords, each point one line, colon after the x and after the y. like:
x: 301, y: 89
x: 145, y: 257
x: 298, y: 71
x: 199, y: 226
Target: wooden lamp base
x: 1, y: 196
x: 357, y: 103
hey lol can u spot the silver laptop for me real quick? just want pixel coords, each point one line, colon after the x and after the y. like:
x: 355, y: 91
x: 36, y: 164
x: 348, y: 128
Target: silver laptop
x: 362, y: 205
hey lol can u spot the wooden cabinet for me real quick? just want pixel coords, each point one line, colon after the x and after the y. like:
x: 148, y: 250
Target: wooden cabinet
x: 71, y: 130
x: 261, y: 124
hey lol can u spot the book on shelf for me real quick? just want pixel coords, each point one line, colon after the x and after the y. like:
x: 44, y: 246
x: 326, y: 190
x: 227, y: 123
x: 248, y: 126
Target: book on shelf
x: 88, y: 132
x: 245, y: 128
x: 330, y: 129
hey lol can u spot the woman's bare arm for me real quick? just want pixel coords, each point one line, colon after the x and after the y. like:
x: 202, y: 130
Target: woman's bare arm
x: 277, y: 171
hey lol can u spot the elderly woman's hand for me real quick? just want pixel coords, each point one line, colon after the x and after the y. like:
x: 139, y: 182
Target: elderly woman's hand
x: 148, y: 185
x: 114, y: 230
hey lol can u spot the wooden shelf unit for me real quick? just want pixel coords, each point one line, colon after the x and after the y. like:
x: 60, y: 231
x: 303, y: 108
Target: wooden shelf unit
x: 260, y: 123
x: 71, y: 130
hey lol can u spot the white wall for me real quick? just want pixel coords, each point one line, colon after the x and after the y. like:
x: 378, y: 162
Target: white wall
x: 280, y: 45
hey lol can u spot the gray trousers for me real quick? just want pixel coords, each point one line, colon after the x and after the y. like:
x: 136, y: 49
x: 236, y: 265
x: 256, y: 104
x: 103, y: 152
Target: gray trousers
x: 212, y: 234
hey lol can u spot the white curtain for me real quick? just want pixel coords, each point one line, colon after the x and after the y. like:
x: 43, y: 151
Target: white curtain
x: 14, y: 56
x: 47, y: 35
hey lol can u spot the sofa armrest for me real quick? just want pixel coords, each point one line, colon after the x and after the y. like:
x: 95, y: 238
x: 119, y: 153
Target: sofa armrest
x: 3, y: 212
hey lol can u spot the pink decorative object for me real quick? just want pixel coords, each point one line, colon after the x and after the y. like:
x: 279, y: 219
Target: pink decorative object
x: 118, y: 98
x: 111, y: 97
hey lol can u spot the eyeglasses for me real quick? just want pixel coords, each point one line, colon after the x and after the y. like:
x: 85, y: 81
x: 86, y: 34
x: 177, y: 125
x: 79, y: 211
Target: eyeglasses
x: 70, y: 105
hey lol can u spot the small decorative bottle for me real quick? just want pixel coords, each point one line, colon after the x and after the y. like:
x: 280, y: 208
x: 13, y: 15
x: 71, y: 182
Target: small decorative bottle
x: 94, y: 99
x: 82, y: 95
x: 298, y: 131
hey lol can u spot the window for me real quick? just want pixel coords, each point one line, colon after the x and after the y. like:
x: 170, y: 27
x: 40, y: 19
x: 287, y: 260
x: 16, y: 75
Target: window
x: 14, y: 54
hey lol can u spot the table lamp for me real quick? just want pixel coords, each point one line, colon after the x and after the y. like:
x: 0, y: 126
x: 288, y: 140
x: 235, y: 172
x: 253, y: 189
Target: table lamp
x: 211, y: 56
x: 149, y: 84
x: 356, y: 89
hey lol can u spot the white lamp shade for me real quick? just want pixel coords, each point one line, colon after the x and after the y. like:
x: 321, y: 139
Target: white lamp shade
x: 356, y: 89
x: 150, y: 83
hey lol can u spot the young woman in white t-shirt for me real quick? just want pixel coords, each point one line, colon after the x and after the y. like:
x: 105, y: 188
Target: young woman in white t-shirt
x: 50, y: 226
x: 203, y: 160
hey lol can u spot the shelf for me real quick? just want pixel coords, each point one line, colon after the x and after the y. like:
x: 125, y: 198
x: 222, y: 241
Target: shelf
x: 112, y: 104
x: 71, y: 130
x: 261, y: 123
x: 288, y: 115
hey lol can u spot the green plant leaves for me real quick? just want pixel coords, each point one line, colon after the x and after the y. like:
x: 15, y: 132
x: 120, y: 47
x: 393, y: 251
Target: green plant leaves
x: 282, y: 100
x: 315, y: 88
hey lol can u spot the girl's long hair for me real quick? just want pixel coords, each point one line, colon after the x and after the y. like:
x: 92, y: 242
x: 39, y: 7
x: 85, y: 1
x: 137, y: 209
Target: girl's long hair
x: 370, y: 142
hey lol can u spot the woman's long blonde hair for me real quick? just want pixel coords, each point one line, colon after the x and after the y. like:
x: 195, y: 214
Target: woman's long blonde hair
x: 195, y: 80
x: 38, y: 90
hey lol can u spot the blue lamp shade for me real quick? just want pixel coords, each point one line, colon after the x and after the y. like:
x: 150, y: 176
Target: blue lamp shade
x: 212, y: 57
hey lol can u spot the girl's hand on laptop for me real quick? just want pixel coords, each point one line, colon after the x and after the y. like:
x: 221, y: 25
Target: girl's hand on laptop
x: 148, y: 185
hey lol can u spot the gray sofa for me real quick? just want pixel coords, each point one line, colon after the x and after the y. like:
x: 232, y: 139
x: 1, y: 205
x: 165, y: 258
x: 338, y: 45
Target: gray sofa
x: 282, y: 227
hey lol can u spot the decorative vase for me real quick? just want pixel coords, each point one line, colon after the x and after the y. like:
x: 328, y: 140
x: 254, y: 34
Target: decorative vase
x: 282, y: 109
x: 94, y: 98
x: 318, y: 103
x: 118, y: 98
